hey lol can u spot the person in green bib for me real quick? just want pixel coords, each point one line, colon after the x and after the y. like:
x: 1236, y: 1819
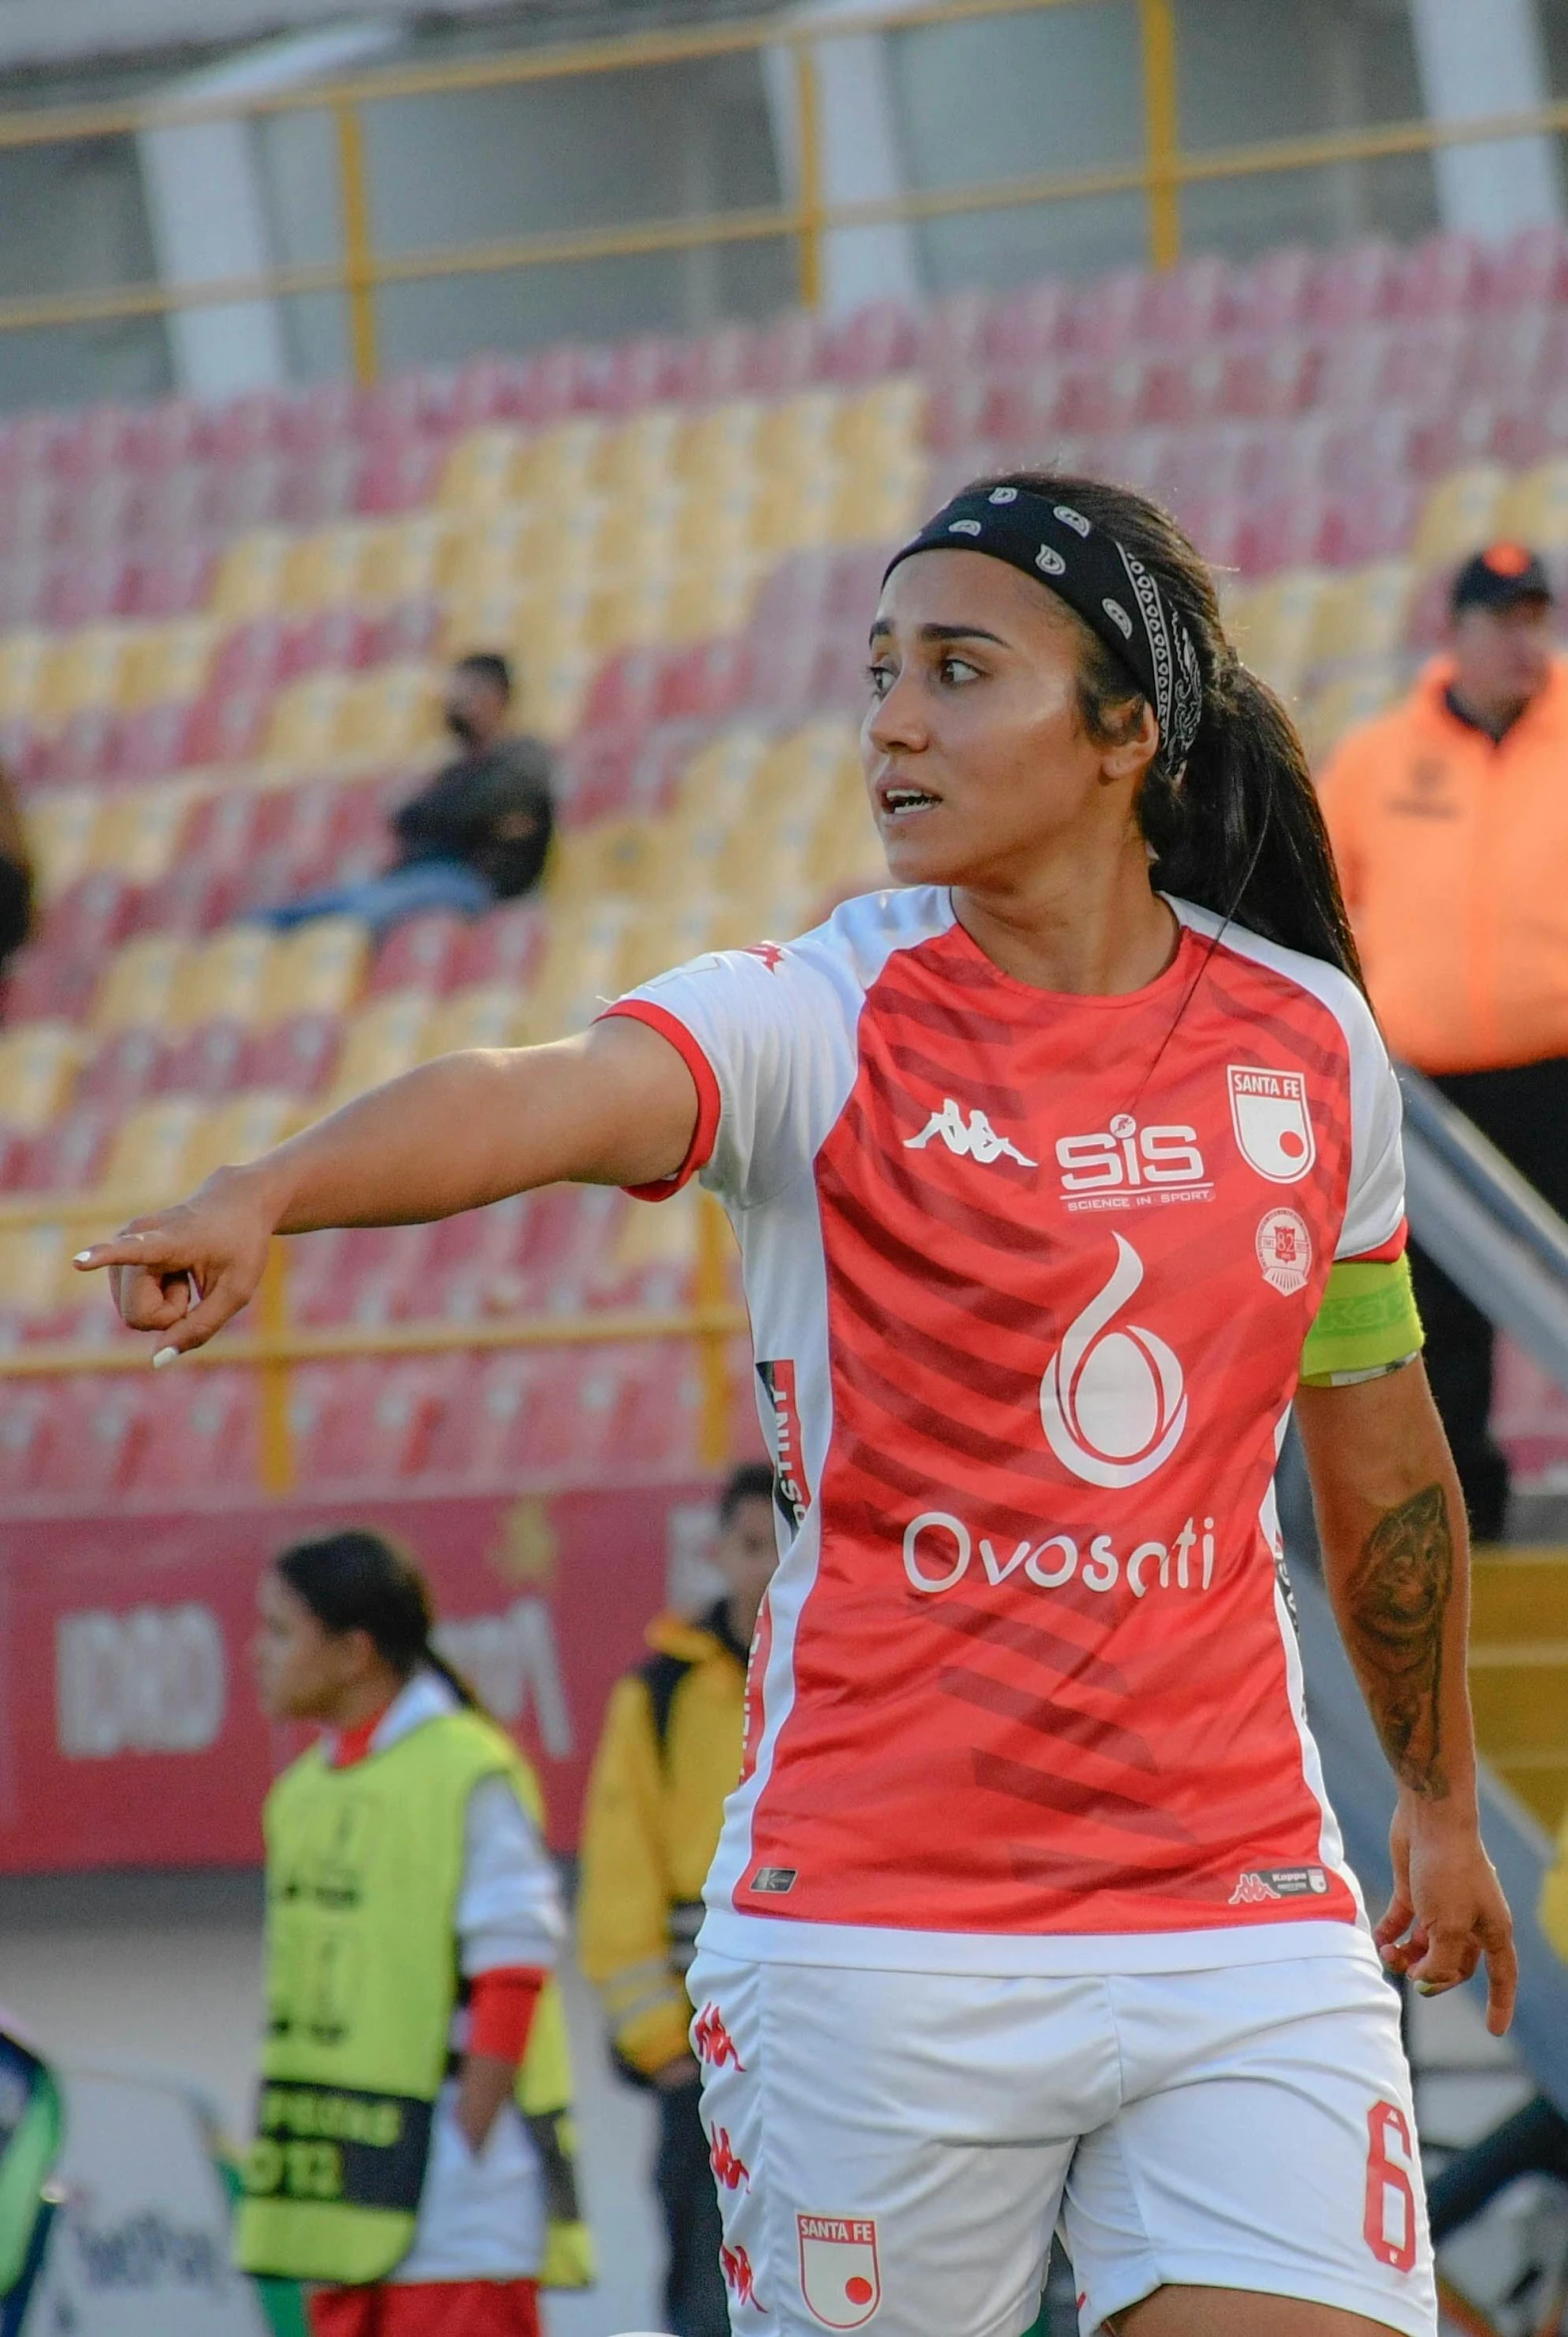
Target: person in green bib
x: 412, y: 2158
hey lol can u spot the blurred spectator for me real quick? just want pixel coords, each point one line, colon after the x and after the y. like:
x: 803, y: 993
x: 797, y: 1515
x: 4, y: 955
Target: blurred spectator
x: 31, y: 2128
x: 16, y: 876
x: 1450, y: 818
x: 669, y: 1753
x: 478, y: 834
x: 1535, y: 2140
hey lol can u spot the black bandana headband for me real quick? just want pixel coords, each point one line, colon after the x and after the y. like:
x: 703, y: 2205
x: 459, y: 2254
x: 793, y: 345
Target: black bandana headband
x: 1113, y: 592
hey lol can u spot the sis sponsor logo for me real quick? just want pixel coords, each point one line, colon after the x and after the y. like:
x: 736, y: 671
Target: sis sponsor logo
x: 1125, y: 1166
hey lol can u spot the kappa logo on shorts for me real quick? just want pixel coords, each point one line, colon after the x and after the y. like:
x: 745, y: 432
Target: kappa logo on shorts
x: 714, y: 2041
x: 774, y: 1879
x: 739, y: 2279
x: 729, y: 2169
x: 839, y: 2277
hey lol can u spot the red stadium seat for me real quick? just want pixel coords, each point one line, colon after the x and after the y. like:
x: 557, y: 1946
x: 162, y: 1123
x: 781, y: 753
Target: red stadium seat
x: 408, y: 630
x: 211, y: 1062
x: 322, y: 487
x: 172, y: 582
x: 101, y: 511
x: 1354, y: 285
x: 100, y: 438
x: 28, y: 1420
x: 252, y: 425
x: 1372, y: 522
x: 1525, y: 435
x: 479, y: 1438
x: 23, y: 590
x: 176, y: 431
x: 1531, y: 271
x: 1030, y: 326
x: 1187, y: 387
x: 1188, y: 306
x: 1370, y: 451
x: 103, y: 1429
x: 625, y: 689
x: 1285, y: 531
x: 190, y: 900
x: 125, y: 1070
x: 328, y: 414
x: 418, y: 955
x: 1107, y: 314
x: 714, y: 365
x: 229, y: 726
x: 89, y: 586
x: 1102, y: 397
x: 1351, y: 367
x: 784, y: 356
x: 401, y: 475
x: 43, y: 981
x: 85, y: 748
x: 203, y: 1431
x: 1030, y: 410
x: 952, y: 335
x: 1454, y: 440
x: 380, y: 1427
x: 959, y: 410
x: 1511, y: 354
x: 249, y: 491
x: 91, y: 917
x: 640, y: 372
x: 490, y: 389
x: 298, y: 1056
x: 1443, y: 275
x: 70, y: 1153
x: 882, y: 337
x: 488, y: 1239
x: 593, y: 776
x: 708, y: 680
x: 336, y: 639
x: 1425, y: 361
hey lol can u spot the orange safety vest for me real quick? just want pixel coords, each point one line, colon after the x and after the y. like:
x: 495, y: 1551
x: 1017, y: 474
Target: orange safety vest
x: 1453, y: 854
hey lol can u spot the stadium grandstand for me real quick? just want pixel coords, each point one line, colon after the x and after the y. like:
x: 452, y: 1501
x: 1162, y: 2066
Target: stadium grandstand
x: 227, y: 601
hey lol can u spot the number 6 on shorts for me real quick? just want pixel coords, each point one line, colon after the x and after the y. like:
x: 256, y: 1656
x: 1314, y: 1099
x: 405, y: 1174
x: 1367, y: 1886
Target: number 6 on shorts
x: 1389, y: 2226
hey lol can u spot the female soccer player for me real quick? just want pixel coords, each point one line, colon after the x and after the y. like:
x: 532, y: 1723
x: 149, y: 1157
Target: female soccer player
x: 414, y: 2091
x: 1059, y: 1173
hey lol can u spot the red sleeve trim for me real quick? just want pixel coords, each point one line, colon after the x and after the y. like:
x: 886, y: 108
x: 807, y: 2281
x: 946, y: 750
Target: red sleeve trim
x: 501, y: 2008
x: 700, y: 1150
x: 1391, y: 1249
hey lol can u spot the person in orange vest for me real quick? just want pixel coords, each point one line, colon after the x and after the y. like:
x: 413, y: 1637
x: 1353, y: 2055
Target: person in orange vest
x: 1449, y: 820
x: 669, y: 1752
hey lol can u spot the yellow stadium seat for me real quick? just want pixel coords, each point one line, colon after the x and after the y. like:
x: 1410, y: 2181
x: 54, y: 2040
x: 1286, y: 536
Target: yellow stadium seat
x: 414, y: 555
x: 83, y: 670
x: 137, y: 833
x: 718, y: 782
x: 555, y: 684
x: 225, y: 980
x: 167, y: 661
x: 719, y: 448
x: 629, y: 615
x: 846, y: 849
x: 392, y: 712
x: 884, y: 425
x: 60, y: 825
x: 872, y: 505
x: 798, y: 433
x: 612, y: 856
x: 317, y: 970
x: 579, y: 972
x: 659, y: 938
x: 328, y: 566
x: 796, y: 511
x: 712, y: 599
x: 38, y: 1062
x: 22, y: 656
x: 148, y: 1158
x: 496, y: 548
x: 383, y: 1039
x: 138, y: 984
x: 241, y: 1130
x: 556, y: 467
x: 479, y: 471
x: 1362, y: 616
x: 488, y: 1014
x: 640, y: 456
x: 34, y: 1268
x: 495, y: 614
x: 306, y: 719
x: 712, y: 525
x: 249, y: 579
x: 1274, y: 626
x: 1535, y: 507
x: 1459, y: 516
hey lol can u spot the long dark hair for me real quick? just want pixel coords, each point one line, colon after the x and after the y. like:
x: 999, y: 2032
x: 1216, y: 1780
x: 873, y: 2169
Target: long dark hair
x: 360, y: 1581
x: 1239, y: 830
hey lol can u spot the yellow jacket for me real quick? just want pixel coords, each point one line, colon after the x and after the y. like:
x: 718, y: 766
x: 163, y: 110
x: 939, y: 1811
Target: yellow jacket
x: 669, y: 1753
x: 1554, y: 1897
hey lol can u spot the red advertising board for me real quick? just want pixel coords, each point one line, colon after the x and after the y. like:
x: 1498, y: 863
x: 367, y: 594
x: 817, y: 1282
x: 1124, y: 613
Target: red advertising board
x: 130, y: 1734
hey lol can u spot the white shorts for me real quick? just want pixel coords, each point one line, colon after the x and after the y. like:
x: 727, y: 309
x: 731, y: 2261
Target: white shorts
x: 893, y: 2149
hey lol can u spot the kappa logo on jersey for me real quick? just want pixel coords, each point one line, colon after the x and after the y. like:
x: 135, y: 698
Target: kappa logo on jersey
x: 839, y: 2277
x: 1124, y: 1166
x: 1113, y: 1402
x: 769, y: 952
x: 739, y: 2279
x: 1279, y: 1882
x: 728, y: 2166
x: 1272, y: 1122
x: 714, y: 2041
x: 974, y: 1139
x: 791, y: 1492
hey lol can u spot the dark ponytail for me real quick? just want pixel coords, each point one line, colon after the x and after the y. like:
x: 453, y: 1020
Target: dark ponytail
x: 1239, y: 829
x: 360, y: 1581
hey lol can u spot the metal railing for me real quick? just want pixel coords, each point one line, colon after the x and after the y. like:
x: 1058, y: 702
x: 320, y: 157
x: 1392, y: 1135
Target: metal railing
x: 360, y: 269
x: 277, y: 1346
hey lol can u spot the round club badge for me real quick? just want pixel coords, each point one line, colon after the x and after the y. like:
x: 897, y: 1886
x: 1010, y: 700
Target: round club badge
x: 1284, y: 1250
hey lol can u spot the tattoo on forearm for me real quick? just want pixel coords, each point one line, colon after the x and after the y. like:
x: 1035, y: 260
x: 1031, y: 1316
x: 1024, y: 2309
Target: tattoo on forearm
x: 1396, y: 1608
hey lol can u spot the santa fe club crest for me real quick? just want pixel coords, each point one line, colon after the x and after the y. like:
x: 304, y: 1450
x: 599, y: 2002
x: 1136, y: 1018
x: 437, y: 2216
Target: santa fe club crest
x: 839, y: 2275
x: 1272, y: 1122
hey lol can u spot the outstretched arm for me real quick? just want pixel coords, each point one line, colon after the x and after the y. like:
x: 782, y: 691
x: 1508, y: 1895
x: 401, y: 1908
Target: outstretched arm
x: 1391, y: 1518
x: 616, y: 1106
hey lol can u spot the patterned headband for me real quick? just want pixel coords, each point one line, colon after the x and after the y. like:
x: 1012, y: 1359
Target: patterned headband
x: 1111, y: 589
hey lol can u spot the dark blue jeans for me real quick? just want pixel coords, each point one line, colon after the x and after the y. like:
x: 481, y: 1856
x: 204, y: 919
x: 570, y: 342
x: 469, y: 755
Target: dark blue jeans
x: 383, y: 902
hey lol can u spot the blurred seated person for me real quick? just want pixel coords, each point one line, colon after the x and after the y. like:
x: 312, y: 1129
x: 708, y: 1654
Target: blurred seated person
x: 16, y: 876
x: 479, y: 831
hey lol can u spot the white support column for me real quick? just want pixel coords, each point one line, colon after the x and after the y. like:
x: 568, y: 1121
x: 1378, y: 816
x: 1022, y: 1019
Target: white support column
x: 859, y: 158
x: 207, y: 207
x: 1480, y: 57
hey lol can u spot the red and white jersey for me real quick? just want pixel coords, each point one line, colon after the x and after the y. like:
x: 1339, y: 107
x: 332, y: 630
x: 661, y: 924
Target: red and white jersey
x: 1029, y: 1277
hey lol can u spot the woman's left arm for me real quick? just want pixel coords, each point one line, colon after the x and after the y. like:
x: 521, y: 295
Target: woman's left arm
x: 1395, y: 1555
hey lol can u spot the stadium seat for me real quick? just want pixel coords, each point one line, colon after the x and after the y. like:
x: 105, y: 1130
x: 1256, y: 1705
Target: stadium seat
x: 147, y: 1156
x: 138, y: 831
x: 480, y: 1439
x: 122, y: 1071
x: 239, y: 1131
x: 27, y: 1423
x: 1535, y: 507
x: 317, y: 970
x: 1354, y: 285
x: 138, y: 984
x: 1444, y: 275
x: 38, y: 1062
x: 1364, y: 616
x: 224, y: 979
x: 210, y: 1062
x: 1460, y: 512
x: 297, y: 1055
x: 504, y: 947
x: 67, y: 1155
x: 203, y: 1431
x: 250, y: 579
x: 418, y: 955
x: 382, y: 1040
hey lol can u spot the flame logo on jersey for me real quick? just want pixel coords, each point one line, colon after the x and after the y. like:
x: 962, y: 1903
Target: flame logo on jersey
x: 1113, y: 1402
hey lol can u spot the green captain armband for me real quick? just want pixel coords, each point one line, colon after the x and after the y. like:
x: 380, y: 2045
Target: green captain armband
x: 1366, y: 1324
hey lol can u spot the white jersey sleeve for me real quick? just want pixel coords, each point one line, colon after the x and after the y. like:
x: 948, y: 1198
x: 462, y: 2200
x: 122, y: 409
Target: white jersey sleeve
x: 769, y: 1036
x: 1375, y: 1204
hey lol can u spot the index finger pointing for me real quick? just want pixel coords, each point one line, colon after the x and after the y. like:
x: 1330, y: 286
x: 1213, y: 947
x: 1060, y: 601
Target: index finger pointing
x: 1502, y: 1986
x: 157, y: 1251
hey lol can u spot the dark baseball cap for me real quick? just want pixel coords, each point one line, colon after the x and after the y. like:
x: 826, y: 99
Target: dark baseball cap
x: 1499, y: 577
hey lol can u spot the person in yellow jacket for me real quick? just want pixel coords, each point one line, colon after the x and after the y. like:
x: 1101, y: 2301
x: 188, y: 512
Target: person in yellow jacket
x: 412, y: 2154
x: 669, y: 1753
